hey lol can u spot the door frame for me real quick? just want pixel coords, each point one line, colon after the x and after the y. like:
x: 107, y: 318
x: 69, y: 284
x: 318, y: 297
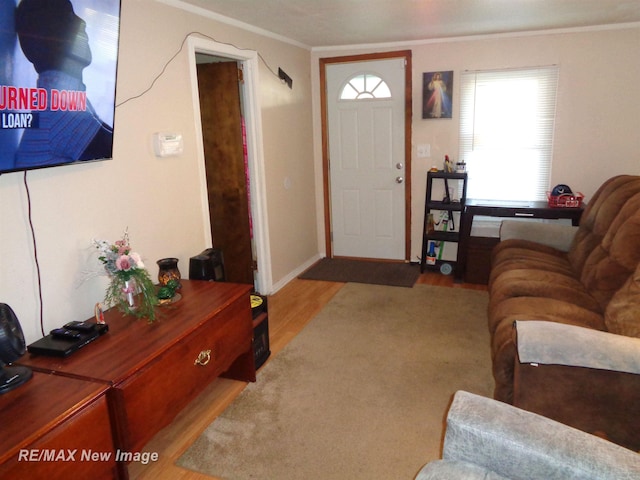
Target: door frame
x: 408, y: 109
x: 248, y: 59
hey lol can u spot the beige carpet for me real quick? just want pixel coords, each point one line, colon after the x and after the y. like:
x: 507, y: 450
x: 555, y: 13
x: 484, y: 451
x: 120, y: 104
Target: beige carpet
x: 360, y: 393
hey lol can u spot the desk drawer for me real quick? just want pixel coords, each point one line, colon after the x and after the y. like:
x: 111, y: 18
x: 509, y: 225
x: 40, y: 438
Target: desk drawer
x: 478, y: 266
x: 67, y: 451
x: 151, y: 398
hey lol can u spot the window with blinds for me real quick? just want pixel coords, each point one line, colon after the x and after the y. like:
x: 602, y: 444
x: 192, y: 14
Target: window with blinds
x: 506, y: 132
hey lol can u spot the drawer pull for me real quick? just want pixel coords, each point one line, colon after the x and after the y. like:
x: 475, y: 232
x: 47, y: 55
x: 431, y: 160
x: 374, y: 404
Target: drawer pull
x: 204, y: 357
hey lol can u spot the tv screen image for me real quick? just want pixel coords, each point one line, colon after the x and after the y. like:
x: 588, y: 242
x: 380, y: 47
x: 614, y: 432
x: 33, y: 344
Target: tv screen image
x: 58, y: 81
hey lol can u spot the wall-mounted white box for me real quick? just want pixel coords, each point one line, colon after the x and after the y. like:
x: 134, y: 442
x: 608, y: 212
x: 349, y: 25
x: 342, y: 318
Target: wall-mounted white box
x: 167, y: 144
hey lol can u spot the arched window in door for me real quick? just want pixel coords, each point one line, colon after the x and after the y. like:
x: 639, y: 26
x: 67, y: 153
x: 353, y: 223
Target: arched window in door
x: 365, y: 86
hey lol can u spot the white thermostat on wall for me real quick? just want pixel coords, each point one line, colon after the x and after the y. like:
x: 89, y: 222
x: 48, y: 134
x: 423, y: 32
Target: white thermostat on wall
x: 167, y: 144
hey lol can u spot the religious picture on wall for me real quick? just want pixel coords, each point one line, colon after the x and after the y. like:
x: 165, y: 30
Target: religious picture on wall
x: 57, y: 92
x: 437, y: 94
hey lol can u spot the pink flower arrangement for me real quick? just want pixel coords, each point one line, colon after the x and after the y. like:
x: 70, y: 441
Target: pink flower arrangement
x: 118, y: 259
x: 129, y: 278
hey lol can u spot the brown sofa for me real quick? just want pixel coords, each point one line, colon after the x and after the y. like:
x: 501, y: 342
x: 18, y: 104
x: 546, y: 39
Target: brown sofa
x: 591, y: 285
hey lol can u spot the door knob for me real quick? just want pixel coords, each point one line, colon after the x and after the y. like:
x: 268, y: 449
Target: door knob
x: 399, y: 165
x: 399, y: 179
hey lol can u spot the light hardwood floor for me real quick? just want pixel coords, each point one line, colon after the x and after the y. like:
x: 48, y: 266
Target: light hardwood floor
x: 290, y: 309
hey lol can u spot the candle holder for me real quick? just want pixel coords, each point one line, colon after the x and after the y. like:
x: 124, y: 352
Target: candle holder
x: 168, y: 271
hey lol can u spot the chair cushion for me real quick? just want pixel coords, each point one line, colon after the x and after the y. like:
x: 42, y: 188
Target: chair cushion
x: 449, y: 470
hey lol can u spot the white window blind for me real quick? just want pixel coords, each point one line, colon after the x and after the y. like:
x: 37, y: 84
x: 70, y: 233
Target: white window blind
x: 506, y: 132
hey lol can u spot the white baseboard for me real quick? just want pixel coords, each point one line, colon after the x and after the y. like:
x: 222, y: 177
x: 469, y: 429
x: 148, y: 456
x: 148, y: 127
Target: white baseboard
x: 282, y: 282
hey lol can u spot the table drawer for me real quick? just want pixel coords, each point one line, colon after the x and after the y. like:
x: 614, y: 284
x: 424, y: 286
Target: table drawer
x: 150, y: 399
x: 80, y: 447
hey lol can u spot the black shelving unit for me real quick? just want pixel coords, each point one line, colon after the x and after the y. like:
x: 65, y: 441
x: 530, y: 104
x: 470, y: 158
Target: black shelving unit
x: 447, y: 205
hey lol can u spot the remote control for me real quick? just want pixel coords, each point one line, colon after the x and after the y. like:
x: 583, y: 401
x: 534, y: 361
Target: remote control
x: 64, y: 334
x: 86, y: 326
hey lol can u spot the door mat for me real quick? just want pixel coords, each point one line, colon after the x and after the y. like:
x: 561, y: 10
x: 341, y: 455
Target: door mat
x: 363, y: 271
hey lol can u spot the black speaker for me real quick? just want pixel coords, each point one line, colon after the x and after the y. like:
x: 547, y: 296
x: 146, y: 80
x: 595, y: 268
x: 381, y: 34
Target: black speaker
x: 12, y: 347
x: 260, y: 314
x: 208, y: 265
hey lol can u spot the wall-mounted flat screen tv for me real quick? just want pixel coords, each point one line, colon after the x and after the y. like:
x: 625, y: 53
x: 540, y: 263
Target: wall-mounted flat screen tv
x: 57, y: 81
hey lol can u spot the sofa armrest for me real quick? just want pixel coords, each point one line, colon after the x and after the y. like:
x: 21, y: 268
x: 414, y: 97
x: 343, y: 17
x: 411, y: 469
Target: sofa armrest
x: 554, y: 235
x: 581, y: 377
x: 517, y: 444
x: 552, y: 343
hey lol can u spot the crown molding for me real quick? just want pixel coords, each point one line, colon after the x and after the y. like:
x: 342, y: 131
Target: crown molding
x: 471, y: 38
x: 203, y: 12
x: 385, y: 45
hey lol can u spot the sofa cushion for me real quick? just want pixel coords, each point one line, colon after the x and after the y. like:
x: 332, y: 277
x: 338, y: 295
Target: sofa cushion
x: 516, y: 254
x: 622, y: 315
x: 616, y: 257
x: 503, y: 350
x: 542, y: 308
x: 529, y: 282
x: 599, y: 215
x: 525, y: 247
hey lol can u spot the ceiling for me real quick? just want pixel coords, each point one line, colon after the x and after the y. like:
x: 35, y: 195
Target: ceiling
x: 324, y: 23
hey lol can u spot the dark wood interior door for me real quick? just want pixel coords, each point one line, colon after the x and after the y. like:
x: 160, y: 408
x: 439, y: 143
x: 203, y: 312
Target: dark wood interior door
x: 221, y: 113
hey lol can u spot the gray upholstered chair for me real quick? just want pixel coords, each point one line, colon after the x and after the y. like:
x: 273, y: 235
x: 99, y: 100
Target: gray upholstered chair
x: 490, y: 440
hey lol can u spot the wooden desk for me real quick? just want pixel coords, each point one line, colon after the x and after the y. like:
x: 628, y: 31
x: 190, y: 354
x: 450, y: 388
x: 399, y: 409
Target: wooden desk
x: 503, y: 209
x: 50, y: 427
x: 154, y: 370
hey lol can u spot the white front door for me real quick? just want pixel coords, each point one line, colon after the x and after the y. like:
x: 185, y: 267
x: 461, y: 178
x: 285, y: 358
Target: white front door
x: 366, y: 134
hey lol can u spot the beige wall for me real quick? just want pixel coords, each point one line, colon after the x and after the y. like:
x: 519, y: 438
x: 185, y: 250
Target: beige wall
x: 158, y: 199
x: 597, y: 109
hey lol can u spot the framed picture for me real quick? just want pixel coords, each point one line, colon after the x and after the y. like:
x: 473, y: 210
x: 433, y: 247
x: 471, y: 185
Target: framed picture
x: 437, y: 94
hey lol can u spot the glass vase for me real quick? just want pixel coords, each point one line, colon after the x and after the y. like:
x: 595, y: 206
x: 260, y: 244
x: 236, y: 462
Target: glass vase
x: 130, y: 293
